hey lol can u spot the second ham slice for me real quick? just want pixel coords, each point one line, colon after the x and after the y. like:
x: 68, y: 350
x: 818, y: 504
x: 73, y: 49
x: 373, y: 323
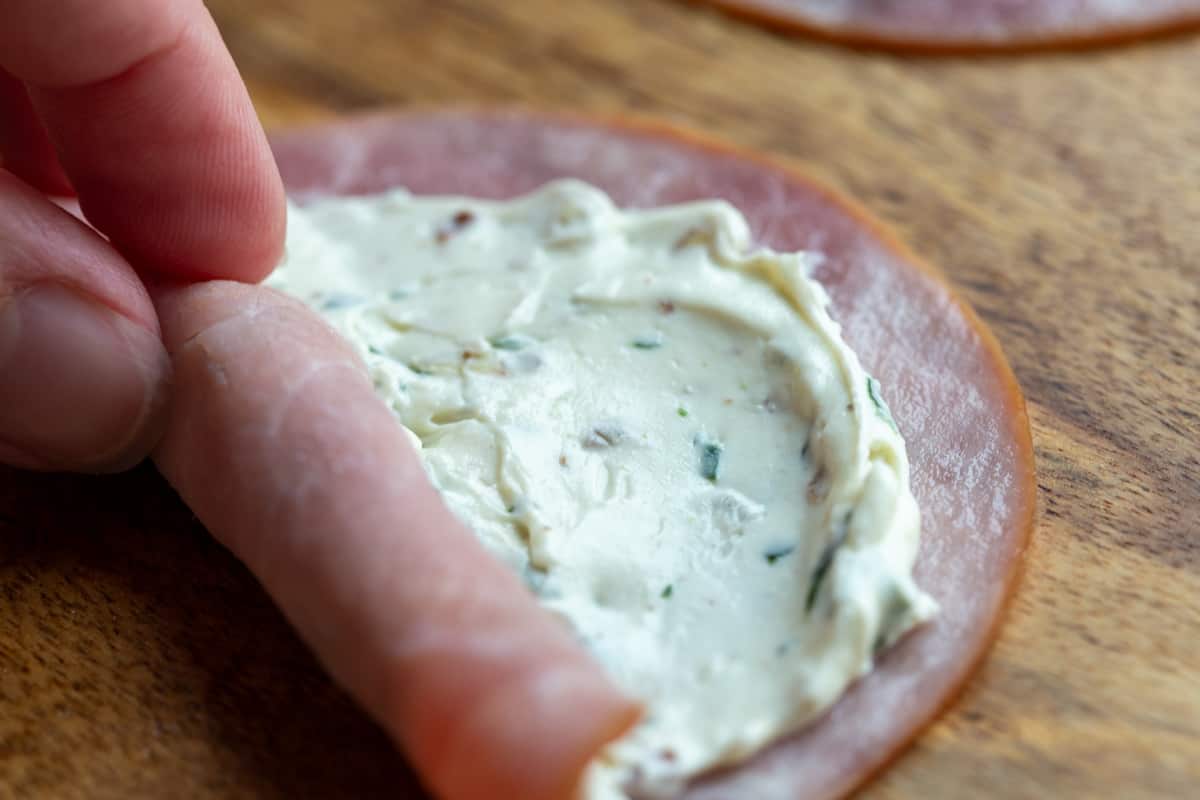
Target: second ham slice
x: 971, y: 25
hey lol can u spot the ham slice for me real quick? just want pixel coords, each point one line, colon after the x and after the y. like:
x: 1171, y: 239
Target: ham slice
x: 948, y: 384
x: 278, y: 443
x: 971, y: 24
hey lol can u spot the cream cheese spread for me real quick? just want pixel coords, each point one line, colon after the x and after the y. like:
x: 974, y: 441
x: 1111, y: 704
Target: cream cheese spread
x: 658, y: 426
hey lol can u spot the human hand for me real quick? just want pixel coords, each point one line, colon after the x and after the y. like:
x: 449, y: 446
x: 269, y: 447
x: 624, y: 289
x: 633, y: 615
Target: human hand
x: 137, y: 107
x: 274, y: 435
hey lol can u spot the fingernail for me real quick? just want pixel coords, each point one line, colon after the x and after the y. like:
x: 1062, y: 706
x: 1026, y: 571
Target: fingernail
x: 81, y: 386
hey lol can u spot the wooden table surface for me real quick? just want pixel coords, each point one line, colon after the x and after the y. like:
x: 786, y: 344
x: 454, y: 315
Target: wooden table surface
x: 1060, y: 193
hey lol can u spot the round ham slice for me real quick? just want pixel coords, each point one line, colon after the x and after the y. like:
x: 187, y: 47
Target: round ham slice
x: 971, y: 24
x: 951, y: 391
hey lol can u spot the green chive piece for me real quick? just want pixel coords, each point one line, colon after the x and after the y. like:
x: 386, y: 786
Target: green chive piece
x: 776, y: 553
x: 825, y: 562
x: 818, y: 577
x: 710, y: 460
x: 650, y: 342
x: 683, y: 412
x: 340, y: 300
x: 514, y: 342
x: 881, y: 408
x: 668, y: 591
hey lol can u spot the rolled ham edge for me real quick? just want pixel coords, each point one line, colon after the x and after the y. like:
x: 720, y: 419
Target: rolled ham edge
x: 279, y: 444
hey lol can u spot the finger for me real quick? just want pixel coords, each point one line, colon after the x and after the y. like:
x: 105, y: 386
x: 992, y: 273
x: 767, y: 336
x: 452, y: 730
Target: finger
x: 154, y: 128
x: 278, y: 442
x: 83, y: 373
x: 24, y: 148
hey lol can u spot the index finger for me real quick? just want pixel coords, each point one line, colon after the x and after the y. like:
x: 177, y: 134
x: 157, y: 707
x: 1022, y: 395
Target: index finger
x: 155, y: 129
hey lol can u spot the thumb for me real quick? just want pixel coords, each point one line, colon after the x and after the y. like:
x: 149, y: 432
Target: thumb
x: 83, y: 372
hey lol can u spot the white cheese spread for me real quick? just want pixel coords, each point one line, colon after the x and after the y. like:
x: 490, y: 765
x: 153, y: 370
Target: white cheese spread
x: 660, y: 428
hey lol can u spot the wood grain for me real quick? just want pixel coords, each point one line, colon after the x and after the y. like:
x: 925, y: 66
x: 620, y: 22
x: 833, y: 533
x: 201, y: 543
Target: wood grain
x: 1060, y: 193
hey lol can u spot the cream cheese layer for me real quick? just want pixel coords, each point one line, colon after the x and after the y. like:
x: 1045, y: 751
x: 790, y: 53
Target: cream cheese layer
x: 658, y: 426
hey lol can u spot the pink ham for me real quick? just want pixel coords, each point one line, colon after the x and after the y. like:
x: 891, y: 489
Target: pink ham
x: 948, y: 384
x: 279, y: 444
x: 971, y: 24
